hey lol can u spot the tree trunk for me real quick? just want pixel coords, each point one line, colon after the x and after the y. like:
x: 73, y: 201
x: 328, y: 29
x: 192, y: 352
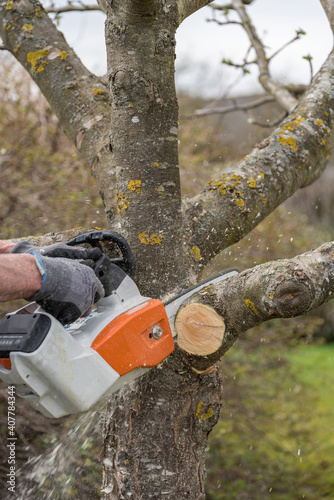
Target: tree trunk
x: 155, y: 432
x: 143, y: 142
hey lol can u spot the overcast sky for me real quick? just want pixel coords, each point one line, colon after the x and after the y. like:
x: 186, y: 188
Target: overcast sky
x: 201, y: 45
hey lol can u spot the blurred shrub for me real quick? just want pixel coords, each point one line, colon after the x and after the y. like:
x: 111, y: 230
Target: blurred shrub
x: 45, y: 185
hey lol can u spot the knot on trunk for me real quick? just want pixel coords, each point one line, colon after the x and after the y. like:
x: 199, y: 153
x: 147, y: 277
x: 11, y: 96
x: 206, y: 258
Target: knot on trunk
x: 291, y: 299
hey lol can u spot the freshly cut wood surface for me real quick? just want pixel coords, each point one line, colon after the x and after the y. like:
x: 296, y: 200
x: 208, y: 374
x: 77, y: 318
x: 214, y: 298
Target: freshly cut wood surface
x: 200, y: 330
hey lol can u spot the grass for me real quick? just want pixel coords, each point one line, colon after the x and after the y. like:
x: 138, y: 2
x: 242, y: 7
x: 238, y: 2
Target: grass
x: 275, y: 436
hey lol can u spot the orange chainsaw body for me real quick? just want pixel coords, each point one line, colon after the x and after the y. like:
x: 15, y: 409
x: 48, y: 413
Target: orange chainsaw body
x: 128, y: 341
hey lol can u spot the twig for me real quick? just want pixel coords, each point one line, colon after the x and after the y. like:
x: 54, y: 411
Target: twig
x: 225, y: 23
x: 309, y: 59
x: 271, y: 124
x: 210, y: 110
x: 73, y: 8
x: 2, y: 47
x: 294, y: 39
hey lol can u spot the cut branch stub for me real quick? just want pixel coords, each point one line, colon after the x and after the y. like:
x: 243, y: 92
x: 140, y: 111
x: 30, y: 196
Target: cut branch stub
x: 292, y: 299
x: 200, y: 332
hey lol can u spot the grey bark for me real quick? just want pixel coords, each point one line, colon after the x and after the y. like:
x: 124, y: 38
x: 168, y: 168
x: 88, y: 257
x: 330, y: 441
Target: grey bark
x: 188, y: 7
x: 140, y: 39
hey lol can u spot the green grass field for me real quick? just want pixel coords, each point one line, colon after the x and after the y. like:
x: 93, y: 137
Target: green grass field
x: 275, y: 437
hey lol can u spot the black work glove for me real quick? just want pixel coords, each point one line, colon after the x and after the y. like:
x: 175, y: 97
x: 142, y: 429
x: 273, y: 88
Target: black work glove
x: 58, y: 250
x: 69, y: 288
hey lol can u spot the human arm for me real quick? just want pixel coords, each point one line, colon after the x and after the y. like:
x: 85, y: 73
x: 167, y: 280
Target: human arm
x: 19, y: 276
x: 6, y: 246
x: 65, y: 288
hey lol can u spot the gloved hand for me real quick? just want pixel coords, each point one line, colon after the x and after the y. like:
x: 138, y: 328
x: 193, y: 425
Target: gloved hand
x: 58, y: 250
x: 69, y: 288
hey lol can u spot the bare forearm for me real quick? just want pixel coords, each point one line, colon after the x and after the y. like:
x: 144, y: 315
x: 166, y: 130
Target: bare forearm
x: 19, y: 276
x: 6, y: 246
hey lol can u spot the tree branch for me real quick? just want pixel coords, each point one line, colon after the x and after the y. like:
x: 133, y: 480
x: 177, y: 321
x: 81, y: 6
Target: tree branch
x: 294, y: 39
x: 328, y: 7
x: 188, y: 7
x: 277, y: 289
x: 293, y: 156
x: 223, y: 110
x: 33, y: 39
x: 281, y: 94
x: 230, y: 6
x: 73, y: 8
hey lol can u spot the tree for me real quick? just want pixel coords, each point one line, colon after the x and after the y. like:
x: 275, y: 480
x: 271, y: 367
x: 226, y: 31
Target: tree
x: 155, y: 431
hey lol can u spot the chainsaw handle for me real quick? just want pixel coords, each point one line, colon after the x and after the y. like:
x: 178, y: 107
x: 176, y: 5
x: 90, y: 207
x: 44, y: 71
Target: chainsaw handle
x: 127, y: 262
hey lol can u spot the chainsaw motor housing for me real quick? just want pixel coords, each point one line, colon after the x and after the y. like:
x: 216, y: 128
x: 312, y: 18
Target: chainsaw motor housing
x: 58, y: 370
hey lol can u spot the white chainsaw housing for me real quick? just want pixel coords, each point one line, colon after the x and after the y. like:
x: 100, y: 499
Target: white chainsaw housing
x: 64, y: 375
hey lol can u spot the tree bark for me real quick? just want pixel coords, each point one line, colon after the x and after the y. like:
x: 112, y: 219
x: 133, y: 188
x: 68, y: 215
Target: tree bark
x: 144, y: 149
x: 155, y: 434
x: 188, y: 7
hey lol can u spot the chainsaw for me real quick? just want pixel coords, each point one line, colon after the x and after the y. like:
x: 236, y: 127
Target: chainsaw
x: 67, y: 369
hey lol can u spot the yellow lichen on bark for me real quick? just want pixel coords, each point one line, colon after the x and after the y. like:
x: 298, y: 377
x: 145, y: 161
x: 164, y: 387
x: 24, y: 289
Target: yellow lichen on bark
x: 291, y: 125
x: 251, y: 306
x: 203, y: 416
x: 63, y: 55
x: 288, y: 141
x: 152, y: 239
x: 98, y: 91
x: 196, y: 253
x: 38, y: 12
x: 121, y: 202
x: 252, y: 182
x: 36, y: 60
x: 155, y: 240
x: 135, y: 186
x: 228, y: 182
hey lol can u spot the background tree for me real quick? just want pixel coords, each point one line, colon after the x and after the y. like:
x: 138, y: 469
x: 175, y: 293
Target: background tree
x: 126, y: 129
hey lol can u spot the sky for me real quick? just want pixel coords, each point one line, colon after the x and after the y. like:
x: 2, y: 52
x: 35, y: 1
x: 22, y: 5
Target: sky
x: 201, y: 46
